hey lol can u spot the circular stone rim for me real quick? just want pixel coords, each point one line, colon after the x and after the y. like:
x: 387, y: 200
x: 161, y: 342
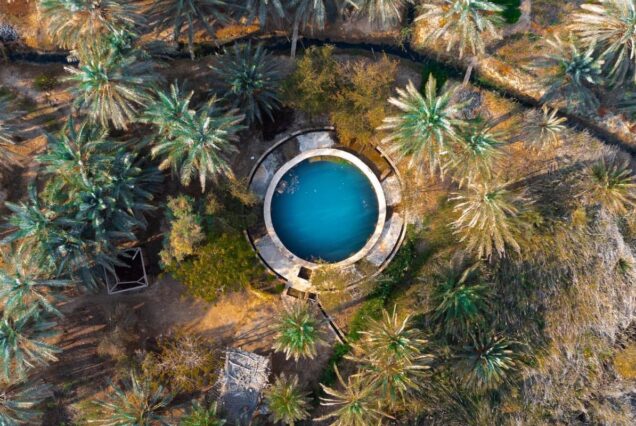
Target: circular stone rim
x: 360, y: 165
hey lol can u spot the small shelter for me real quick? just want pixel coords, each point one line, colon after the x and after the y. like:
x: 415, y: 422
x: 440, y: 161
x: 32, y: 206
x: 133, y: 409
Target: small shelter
x: 130, y: 275
x: 241, y: 385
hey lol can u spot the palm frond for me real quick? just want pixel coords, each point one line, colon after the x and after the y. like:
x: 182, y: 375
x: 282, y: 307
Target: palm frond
x: 463, y: 23
x: 20, y: 401
x: 248, y: 79
x: 298, y: 333
x: 287, y: 403
x: 612, y: 185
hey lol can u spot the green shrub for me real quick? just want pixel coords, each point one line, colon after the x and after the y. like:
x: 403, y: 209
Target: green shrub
x: 511, y: 13
x: 44, y: 82
x: 186, y: 231
x: 225, y: 263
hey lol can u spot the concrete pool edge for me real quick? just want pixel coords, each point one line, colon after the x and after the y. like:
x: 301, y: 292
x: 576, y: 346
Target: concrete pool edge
x: 361, y: 166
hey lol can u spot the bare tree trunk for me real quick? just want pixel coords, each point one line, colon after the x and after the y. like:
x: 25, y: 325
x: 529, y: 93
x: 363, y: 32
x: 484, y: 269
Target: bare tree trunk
x: 294, y: 38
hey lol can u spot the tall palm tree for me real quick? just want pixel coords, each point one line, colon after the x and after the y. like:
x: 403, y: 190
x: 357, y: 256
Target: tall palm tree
x: 264, y: 9
x: 139, y: 402
x: 489, y: 361
x: 19, y: 402
x: 249, y: 80
x: 307, y: 13
x: 460, y: 301
x: 298, y: 332
x: 571, y: 75
x: 354, y: 405
x: 7, y: 157
x: 544, y: 129
x: 287, y: 403
x: 200, y: 415
x: 392, y: 354
x: 190, y: 17
x: 463, y: 23
x: 73, y: 22
x: 168, y: 109
x: 200, y: 143
x: 475, y: 153
x: 111, y: 89
x: 21, y: 285
x: 608, y: 26
x: 22, y: 341
x: 612, y: 185
x: 489, y: 217
x: 425, y: 130
x: 382, y: 13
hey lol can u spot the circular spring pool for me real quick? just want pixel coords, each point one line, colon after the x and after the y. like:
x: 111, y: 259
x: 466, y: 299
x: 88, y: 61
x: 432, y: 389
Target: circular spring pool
x: 324, y: 209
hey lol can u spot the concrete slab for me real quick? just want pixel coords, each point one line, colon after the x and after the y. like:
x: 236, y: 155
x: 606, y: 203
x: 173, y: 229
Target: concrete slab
x: 392, y: 190
x: 389, y: 238
x: 315, y: 140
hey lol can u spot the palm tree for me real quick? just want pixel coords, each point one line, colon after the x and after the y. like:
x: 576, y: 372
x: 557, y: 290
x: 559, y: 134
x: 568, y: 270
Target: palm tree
x: 111, y: 89
x: 489, y: 362
x: 611, y: 185
x: 466, y: 20
x: 103, y: 185
x: 199, y: 415
x: 307, y: 13
x: 392, y: 355
x: 22, y: 341
x: 544, y: 128
x: 168, y: 109
x: 287, y: 403
x: 190, y: 16
x: 263, y: 9
x: 354, y: 405
x: 297, y: 332
x: 74, y: 22
x: 139, y: 402
x: 7, y: 157
x: 199, y: 144
x: 460, y: 301
x: 426, y: 128
x: 608, y: 26
x: 489, y: 217
x: 249, y: 81
x: 21, y: 285
x: 570, y: 75
x: 382, y: 13
x: 19, y: 402
x: 475, y: 153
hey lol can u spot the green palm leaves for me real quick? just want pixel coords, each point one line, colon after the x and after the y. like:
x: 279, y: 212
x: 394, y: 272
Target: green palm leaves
x: 392, y: 354
x: 199, y: 415
x: 139, y: 402
x: 612, y: 185
x: 297, y: 333
x: 263, y: 9
x: 98, y: 194
x: 459, y: 300
x: 489, y: 361
x: 111, y: 89
x: 189, y: 17
x: 545, y: 128
x: 354, y: 405
x: 249, y: 80
x: 489, y: 218
x: 72, y: 22
x: 23, y: 342
x: 463, y: 23
x: 610, y: 27
x: 425, y: 128
x: 23, y: 287
x: 19, y: 402
x: 287, y: 403
x: 571, y: 74
x: 475, y: 153
x: 382, y: 13
x: 193, y: 143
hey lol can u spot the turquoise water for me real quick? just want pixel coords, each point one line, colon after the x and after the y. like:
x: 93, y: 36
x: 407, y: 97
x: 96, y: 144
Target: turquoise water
x: 324, y: 210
